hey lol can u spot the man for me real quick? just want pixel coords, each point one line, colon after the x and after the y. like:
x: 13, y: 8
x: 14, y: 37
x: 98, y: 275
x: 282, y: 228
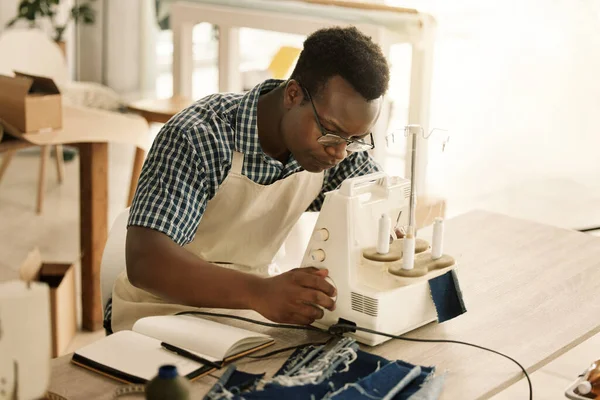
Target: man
x: 227, y: 178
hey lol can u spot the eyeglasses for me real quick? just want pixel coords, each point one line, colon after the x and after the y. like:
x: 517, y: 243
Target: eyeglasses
x: 329, y: 138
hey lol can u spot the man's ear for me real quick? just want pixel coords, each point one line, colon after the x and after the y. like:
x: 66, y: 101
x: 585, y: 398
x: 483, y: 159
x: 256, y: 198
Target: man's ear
x: 293, y: 94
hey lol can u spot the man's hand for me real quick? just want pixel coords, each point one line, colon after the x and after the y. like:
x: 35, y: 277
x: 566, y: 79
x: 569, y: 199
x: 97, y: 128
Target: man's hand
x: 293, y: 296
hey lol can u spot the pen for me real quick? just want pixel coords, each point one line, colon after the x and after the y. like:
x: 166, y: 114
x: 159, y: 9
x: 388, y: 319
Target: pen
x: 190, y: 356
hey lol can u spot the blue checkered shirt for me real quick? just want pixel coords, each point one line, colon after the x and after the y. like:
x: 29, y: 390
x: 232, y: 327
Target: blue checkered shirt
x: 192, y: 155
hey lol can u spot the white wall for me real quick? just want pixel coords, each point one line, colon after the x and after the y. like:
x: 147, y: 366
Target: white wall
x: 516, y: 83
x: 122, y: 45
x: 7, y: 9
x: 90, y: 47
x: 120, y: 50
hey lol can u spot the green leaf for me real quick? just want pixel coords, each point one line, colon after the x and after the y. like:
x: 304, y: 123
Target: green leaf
x: 59, y: 32
x: 84, y: 13
x: 31, y: 14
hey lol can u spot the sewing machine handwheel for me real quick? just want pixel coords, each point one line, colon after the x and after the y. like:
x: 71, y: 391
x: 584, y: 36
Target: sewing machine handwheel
x: 332, y: 283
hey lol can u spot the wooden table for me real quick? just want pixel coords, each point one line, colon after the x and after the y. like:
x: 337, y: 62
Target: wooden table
x: 530, y: 290
x: 160, y: 110
x: 91, y: 130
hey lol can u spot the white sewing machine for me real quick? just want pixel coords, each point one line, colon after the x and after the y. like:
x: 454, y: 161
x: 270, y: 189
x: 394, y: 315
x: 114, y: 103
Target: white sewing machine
x: 368, y: 294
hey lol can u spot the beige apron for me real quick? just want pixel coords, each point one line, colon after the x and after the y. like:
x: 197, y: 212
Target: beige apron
x: 243, y: 227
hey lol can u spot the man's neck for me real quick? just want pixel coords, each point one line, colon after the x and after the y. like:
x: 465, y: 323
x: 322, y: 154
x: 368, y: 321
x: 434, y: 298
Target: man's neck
x: 269, y: 115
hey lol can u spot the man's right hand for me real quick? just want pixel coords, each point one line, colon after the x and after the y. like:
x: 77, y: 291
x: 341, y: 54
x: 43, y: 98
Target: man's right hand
x: 293, y: 296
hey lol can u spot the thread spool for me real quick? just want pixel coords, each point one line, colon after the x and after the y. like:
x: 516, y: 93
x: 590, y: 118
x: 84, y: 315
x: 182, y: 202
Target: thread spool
x: 383, y: 234
x: 584, y: 387
x: 408, y: 252
x: 437, y: 244
x: 591, y: 380
x: 168, y: 384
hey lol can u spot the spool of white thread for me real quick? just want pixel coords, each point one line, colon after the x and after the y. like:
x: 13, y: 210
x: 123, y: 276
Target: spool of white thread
x: 383, y: 234
x: 437, y: 245
x: 408, y: 251
x: 584, y: 387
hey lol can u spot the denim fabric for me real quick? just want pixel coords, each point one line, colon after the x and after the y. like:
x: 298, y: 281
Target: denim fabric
x: 315, y: 364
x: 368, y: 376
x: 232, y: 382
x: 430, y: 390
x: 447, y: 297
x: 397, y: 380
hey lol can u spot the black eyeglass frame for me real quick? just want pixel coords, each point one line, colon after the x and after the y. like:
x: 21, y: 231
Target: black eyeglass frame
x: 340, y: 139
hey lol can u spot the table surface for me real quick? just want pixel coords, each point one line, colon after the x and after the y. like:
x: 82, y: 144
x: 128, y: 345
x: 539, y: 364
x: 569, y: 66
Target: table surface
x: 344, y: 9
x: 159, y: 110
x: 392, y: 18
x: 89, y: 125
x: 363, y: 6
x: 530, y: 292
x: 11, y: 143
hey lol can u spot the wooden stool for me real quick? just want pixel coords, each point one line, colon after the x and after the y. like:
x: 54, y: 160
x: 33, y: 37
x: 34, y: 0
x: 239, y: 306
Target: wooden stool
x: 153, y: 110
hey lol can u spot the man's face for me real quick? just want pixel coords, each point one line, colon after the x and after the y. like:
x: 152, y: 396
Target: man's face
x: 339, y: 109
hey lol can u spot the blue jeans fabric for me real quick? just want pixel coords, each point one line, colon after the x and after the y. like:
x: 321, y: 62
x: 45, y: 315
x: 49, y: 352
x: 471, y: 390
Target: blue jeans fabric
x: 396, y: 380
x: 447, y: 296
x: 368, y: 376
x: 233, y: 382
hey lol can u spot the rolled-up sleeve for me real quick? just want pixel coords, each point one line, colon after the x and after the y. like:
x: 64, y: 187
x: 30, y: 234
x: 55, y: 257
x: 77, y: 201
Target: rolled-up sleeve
x: 356, y: 164
x: 172, y: 191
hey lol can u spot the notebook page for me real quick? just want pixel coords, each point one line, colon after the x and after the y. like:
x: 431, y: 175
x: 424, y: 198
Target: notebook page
x: 135, y: 354
x: 210, y: 339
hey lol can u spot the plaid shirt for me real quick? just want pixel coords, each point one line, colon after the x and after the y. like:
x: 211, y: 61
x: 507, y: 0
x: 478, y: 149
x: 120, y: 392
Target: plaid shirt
x: 193, y: 153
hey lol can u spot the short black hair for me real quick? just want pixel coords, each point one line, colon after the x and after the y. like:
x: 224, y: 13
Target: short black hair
x: 345, y: 52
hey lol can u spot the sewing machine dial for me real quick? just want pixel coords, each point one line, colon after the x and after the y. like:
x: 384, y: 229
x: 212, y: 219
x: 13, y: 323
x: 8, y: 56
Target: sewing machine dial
x: 317, y: 255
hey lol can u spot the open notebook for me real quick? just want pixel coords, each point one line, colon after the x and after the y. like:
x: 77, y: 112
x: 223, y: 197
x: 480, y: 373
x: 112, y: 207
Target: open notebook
x: 135, y: 356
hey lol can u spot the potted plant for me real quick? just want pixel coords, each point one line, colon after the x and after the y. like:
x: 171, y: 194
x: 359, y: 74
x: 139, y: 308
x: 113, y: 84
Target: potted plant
x: 34, y: 10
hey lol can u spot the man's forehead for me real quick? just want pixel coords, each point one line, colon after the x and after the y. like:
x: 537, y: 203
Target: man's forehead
x: 352, y: 114
x: 338, y: 91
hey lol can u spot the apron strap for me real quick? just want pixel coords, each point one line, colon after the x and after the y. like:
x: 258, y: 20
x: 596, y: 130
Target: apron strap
x: 237, y: 164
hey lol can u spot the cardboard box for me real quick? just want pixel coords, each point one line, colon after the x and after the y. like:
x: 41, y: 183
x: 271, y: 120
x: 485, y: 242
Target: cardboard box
x: 30, y: 103
x: 60, y: 277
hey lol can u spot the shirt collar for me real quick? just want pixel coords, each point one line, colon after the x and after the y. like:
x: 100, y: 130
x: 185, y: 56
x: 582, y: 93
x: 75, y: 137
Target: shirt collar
x: 246, y: 138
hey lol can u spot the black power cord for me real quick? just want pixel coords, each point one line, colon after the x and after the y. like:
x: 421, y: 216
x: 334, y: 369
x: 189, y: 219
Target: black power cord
x: 339, y: 328
x: 253, y: 321
x: 278, y: 351
x: 351, y: 328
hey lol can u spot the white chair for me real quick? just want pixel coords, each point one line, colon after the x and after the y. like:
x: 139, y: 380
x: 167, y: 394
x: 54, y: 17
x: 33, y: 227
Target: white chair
x: 113, y: 257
